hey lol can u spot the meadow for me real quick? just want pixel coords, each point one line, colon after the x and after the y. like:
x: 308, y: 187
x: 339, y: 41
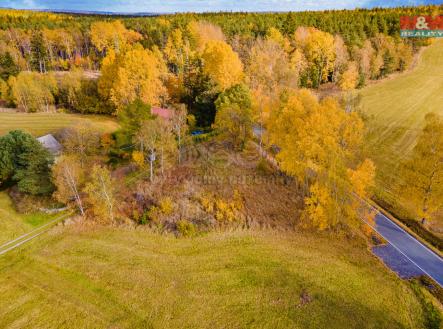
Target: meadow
x: 395, y: 110
x: 117, y: 278
x: 14, y: 224
x: 39, y: 124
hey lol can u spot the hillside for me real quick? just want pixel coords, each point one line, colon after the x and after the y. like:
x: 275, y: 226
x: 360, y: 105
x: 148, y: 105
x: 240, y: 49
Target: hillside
x: 125, y: 279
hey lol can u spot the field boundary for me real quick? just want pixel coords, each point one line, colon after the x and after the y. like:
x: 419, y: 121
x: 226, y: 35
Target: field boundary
x: 17, y: 242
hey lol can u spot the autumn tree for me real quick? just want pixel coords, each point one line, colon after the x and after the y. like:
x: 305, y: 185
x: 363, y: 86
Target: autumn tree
x: 178, y: 51
x: 112, y: 35
x: 423, y: 171
x: 319, y: 50
x: 167, y: 145
x: 364, y: 57
x: 202, y: 32
x: 70, y: 88
x: 348, y: 82
x: 269, y: 68
x: 276, y: 36
x: 222, y: 64
x: 101, y: 191
x: 149, y: 141
x: 341, y: 57
x: 318, y: 143
x: 33, y: 91
x: 180, y: 126
x: 4, y: 90
x: 69, y: 177
x: 134, y: 74
x: 82, y: 140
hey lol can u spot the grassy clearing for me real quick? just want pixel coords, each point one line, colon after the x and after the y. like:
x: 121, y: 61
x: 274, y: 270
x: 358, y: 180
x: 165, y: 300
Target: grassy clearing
x: 43, y: 123
x: 13, y: 224
x: 105, y: 277
x: 396, y: 109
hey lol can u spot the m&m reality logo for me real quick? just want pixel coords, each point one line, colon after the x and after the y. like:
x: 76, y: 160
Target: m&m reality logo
x: 421, y: 26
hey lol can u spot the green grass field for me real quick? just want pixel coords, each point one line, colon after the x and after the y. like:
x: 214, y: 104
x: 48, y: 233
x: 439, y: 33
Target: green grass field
x: 396, y: 108
x: 43, y: 123
x: 13, y: 224
x: 117, y: 278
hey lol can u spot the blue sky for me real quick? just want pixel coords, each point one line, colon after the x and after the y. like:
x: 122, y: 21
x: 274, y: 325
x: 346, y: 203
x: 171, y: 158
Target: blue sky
x: 205, y: 5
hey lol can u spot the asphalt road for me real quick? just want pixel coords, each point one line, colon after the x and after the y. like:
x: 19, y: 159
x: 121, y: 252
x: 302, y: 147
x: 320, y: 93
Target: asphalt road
x: 419, y: 255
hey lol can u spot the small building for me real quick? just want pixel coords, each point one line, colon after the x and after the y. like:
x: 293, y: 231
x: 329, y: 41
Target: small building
x: 51, y: 144
x: 166, y: 114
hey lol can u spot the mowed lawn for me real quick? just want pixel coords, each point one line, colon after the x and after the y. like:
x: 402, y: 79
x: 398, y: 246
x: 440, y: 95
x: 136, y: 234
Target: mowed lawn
x: 118, y: 278
x: 39, y: 124
x: 396, y: 108
x: 13, y: 224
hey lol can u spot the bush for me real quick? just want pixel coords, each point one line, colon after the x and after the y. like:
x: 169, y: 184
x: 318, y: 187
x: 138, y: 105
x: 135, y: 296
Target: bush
x: 223, y: 211
x: 186, y: 229
x: 166, y: 206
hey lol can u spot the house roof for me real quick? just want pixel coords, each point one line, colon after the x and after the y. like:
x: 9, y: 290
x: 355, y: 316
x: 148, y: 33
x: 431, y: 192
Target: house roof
x: 50, y: 143
x: 162, y: 113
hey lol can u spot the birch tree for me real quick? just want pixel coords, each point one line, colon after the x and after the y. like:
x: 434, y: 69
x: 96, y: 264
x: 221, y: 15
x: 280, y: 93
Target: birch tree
x: 101, y: 192
x: 68, y: 177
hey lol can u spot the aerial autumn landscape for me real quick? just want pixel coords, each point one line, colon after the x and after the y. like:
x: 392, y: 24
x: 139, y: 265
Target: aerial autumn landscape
x: 221, y: 164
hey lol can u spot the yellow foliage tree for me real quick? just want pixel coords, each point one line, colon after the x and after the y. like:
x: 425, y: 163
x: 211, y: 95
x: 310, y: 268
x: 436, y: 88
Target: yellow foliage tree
x: 319, y: 50
x: 222, y: 64
x: 33, y: 92
x: 134, y: 74
x: 318, y: 143
x: 349, y: 78
x: 68, y: 177
x: 275, y: 35
x: 318, y: 207
x: 363, y: 178
x: 269, y: 68
x: 202, y: 32
x: 112, y: 35
x: 4, y: 90
x: 101, y: 193
x: 177, y: 50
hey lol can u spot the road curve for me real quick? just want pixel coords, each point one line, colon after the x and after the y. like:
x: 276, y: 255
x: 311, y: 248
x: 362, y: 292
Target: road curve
x: 418, y: 254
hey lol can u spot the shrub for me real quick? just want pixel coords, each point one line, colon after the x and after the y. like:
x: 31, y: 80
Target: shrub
x: 223, y: 211
x: 185, y: 228
x: 153, y: 214
x: 166, y: 206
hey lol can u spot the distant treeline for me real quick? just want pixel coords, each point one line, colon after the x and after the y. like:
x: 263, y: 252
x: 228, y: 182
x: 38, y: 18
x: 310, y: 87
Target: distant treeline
x: 353, y: 25
x: 190, y: 58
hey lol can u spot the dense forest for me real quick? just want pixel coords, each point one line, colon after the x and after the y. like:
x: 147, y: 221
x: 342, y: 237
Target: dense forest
x: 307, y: 49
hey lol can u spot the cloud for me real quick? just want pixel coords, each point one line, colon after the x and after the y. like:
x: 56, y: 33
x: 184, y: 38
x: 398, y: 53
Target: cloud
x: 205, y: 5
